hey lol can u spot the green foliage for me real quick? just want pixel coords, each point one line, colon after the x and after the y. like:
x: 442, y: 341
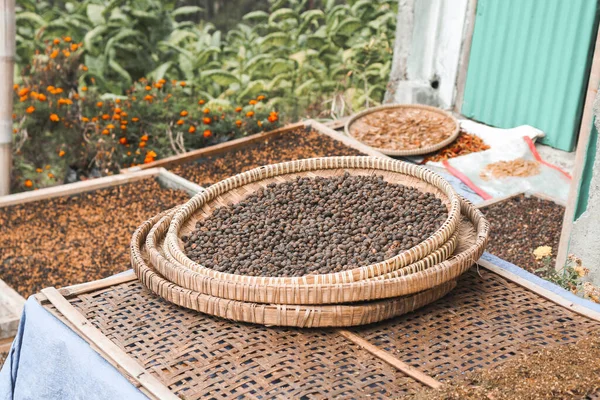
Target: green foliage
x: 334, y: 56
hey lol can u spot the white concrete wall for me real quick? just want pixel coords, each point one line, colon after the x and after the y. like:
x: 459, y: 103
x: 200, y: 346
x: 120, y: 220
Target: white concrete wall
x: 431, y: 54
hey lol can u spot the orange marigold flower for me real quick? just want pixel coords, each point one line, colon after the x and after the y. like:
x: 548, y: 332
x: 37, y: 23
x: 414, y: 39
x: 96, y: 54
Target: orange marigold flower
x: 252, y: 102
x: 133, y: 98
x: 206, y: 111
x: 34, y: 95
x: 105, y: 132
x: 128, y: 153
x: 184, y: 113
x: 54, y: 54
x: 84, y: 88
x: 14, y: 116
x: 118, y: 101
x: 105, y: 117
x: 28, y: 183
x: 180, y: 122
x: 272, y: 118
x: 50, y: 88
x: 56, y: 41
x: 135, y: 119
x: 142, y: 145
x: 123, y: 140
x: 192, y: 129
x: 94, y: 119
x: 182, y: 84
x: 123, y: 122
x: 58, y: 91
x: 67, y: 53
x: 61, y: 153
x: 238, y: 123
x: 67, y: 39
x: 144, y: 138
x: 50, y: 175
x: 110, y: 126
x: 41, y: 97
x: 238, y: 109
x: 23, y: 92
x: 162, y: 81
x: 259, y: 123
x: 99, y: 104
x: 30, y: 109
x: 83, y: 67
x: 250, y: 114
x: 85, y: 119
x: 116, y: 117
x: 54, y: 118
x: 118, y: 110
x: 148, y: 98
x: 15, y: 86
x: 158, y: 85
x: 260, y: 98
x: 148, y: 87
x: 201, y: 102
x: 151, y: 154
x: 123, y: 127
x: 47, y: 166
x: 123, y: 114
x: 74, y: 46
x: 207, y: 120
x: 39, y: 170
x: 207, y: 133
x: 23, y: 98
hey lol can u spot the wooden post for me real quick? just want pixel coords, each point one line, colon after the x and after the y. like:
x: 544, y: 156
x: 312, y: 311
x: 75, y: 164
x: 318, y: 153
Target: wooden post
x: 582, y: 144
x: 7, y: 59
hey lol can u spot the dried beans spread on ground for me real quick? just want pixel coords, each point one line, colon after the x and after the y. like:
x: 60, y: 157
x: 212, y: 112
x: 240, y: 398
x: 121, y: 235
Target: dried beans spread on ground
x: 403, y: 128
x: 521, y: 224
x: 315, y: 226
x: 68, y: 240
x: 287, y: 146
x: 463, y: 145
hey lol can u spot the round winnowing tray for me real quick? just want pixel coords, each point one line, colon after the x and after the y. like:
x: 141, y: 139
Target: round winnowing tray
x: 441, y: 126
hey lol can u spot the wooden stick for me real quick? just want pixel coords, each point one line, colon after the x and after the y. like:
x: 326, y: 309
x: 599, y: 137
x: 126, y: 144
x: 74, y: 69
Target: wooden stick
x: 391, y: 360
x: 582, y: 145
x: 75, y: 188
x: 216, y: 149
x: 465, y: 53
x: 87, y: 287
x: 537, y: 289
x: 89, y: 332
x: 7, y: 60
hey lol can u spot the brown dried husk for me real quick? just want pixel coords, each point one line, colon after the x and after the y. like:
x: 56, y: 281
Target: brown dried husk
x: 518, y: 167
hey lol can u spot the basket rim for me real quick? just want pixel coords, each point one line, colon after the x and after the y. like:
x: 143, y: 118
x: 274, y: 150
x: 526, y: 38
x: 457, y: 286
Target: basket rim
x: 406, y: 152
x: 417, y: 252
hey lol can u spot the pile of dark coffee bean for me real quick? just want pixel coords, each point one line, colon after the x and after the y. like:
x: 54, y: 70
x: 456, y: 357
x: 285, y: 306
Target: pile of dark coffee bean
x: 315, y: 226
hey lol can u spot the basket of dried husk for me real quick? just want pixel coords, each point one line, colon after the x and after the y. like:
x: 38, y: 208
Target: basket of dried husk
x: 360, y: 294
x: 404, y: 129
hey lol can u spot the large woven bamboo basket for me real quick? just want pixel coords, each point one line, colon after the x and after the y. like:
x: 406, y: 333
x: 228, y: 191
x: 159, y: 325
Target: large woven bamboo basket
x: 471, y: 241
x: 236, y: 188
x: 355, y: 121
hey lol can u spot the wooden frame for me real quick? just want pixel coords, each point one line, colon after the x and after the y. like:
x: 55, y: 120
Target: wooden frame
x: 11, y: 303
x: 248, y: 140
x: 582, y: 145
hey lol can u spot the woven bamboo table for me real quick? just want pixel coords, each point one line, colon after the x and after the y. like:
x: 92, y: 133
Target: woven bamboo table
x: 486, y: 320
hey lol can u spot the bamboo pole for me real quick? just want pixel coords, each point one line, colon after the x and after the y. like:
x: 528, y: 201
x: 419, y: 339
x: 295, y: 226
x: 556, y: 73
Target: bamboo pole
x: 7, y: 59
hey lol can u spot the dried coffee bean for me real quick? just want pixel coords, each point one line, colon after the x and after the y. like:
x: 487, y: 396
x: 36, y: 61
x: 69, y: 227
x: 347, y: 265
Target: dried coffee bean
x: 311, y: 225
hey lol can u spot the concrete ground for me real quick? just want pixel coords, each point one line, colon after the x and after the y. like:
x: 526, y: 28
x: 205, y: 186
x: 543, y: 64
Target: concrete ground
x: 560, y: 158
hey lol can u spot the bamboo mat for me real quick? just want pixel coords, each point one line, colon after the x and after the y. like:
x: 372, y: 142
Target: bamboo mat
x: 480, y: 324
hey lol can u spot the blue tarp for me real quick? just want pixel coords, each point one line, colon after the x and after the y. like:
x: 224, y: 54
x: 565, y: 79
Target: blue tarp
x: 48, y: 360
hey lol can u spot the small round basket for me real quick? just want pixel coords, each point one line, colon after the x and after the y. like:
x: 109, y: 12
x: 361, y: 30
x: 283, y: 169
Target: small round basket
x: 440, y: 127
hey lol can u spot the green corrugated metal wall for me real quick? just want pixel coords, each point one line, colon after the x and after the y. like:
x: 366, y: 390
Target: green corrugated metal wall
x: 529, y: 64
